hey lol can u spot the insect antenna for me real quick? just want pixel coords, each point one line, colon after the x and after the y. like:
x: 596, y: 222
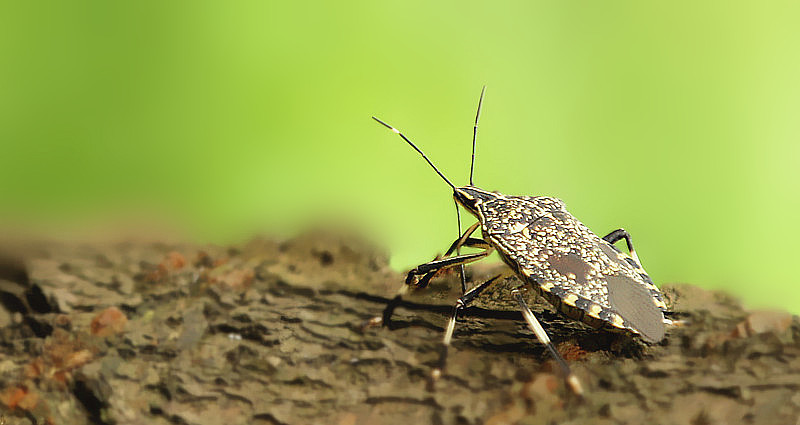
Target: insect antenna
x: 475, y: 135
x: 471, y: 170
x: 418, y: 150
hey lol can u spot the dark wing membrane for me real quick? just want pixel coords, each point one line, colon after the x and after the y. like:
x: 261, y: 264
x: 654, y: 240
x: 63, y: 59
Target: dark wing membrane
x: 567, y: 260
x: 631, y: 297
x: 626, y: 262
x: 634, y: 303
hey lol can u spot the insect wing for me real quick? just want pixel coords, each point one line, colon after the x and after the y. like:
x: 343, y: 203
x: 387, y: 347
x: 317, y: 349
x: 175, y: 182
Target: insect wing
x: 562, y: 256
x: 634, y: 303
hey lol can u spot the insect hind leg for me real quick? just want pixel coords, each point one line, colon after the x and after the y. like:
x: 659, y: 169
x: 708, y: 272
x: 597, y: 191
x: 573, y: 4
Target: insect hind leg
x: 619, y: 234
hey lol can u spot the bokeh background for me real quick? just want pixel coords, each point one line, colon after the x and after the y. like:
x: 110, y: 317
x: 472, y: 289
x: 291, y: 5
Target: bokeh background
x: 676, y: 120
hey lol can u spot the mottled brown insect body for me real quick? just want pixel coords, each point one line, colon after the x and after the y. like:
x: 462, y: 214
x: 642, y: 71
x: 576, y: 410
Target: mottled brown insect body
x: 579, y: 273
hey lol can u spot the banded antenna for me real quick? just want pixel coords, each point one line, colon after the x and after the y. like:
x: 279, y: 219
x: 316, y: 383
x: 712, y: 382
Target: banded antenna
x: 418, y: 150
x: 461, y: 272
x: 475, y: 135
x: 471, y: 172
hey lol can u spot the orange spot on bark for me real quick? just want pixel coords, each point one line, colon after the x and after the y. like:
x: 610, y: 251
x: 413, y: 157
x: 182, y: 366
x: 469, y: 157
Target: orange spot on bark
x: 19, y: 396
x: 175, y: 260
x: 108, y: 322
x: 236, y: 279
x: 35, y: 368
x: 571, y: 351
x: 11, y: 396
x: 172, y: 261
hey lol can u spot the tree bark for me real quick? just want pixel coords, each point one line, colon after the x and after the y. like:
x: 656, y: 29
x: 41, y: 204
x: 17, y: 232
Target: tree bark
x: 274, y: 333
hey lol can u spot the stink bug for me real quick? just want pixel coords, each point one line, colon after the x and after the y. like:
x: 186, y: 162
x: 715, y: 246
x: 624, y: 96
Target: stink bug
x: 582, y: 275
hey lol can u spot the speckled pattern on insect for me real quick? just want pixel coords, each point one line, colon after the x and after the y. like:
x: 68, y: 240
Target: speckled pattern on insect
x: 564, y: 261
x: 581, y: 274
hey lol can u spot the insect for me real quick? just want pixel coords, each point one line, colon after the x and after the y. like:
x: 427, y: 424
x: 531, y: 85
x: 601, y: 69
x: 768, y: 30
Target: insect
x: 583, y: 276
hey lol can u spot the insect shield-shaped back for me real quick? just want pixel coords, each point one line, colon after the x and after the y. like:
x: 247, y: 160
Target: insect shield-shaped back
x: 581, y: 274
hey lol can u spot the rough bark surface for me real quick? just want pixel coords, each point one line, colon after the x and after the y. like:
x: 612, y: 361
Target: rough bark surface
x: 272, y: 333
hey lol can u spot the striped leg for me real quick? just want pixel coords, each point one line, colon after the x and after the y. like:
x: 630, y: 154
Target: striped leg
x: 428, y: 270
x: 618, y: 234
x: 463, y: 240
x: 572, y: 380
x: 462, y: 303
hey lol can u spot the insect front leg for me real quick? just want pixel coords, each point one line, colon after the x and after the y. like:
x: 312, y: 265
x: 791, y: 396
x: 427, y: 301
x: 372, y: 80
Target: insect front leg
x: 427, y: 271
x: 463, y: 240
x: 541, y: 335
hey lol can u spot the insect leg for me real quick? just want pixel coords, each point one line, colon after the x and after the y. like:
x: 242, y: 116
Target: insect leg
x: 615, y: 237
x: 427, y: 270
x: 461, y: 303
x: 618, y: 234
x: 541, y: 335
x: 428, y: 273
x: 461, y: 239
x: 461, y: 272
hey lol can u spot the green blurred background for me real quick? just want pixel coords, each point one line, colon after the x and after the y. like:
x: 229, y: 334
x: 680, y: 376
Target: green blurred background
x: 676, y: 120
